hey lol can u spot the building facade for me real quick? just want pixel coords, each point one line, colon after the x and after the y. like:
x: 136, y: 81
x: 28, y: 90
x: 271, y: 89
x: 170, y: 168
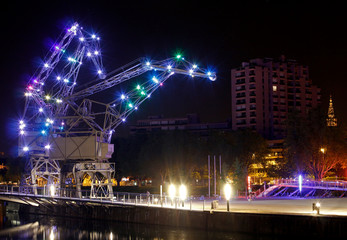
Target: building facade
x: 190, y: 122
x: 264, y: 91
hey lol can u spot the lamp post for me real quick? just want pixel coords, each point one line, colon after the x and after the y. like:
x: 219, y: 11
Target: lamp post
x: 227, y: 194
x: 323, y: 150
x: 183, y: 193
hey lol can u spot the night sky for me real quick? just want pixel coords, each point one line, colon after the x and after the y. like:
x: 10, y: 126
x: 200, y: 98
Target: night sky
x: 207, y: 32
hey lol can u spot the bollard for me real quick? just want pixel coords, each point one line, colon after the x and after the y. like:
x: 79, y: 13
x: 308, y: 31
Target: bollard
x: 203, y: 205
x: 135, y: 200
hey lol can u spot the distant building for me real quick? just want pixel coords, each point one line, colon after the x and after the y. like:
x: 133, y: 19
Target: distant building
x: 191, y: 123
x: 264, y: 91
x: 331, y: 120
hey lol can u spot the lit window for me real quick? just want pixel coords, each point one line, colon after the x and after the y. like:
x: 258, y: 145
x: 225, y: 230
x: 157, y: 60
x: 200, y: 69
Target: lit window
x: 274, y: 88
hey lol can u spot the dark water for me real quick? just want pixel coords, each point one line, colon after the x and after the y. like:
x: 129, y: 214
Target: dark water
x: 14, y: 226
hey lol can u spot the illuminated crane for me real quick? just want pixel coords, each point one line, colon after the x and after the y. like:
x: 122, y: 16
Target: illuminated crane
x: 67, y: 125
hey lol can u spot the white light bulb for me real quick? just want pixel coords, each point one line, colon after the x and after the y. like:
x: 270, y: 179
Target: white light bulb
x: 96, y: 52
x: 93, y: 36
x: 41, y: 109
x: 89, y: 54
x: 47, y: 146
x: 82, y: 39
x: 99, y: 71
x: 58, y: 78
x: 25, y: 149
x: 46, y: 65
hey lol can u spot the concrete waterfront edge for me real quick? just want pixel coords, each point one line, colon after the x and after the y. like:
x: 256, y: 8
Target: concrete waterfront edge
x: 250, y: 223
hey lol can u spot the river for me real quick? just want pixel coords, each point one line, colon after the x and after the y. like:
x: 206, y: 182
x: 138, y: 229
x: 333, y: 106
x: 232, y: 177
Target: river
x: 15, y: 226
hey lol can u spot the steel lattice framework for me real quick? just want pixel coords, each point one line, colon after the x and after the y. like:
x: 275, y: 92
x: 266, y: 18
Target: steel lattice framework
x: 66, y: 128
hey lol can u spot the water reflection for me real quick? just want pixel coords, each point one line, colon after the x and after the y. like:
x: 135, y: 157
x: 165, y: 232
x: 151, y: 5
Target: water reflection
x: 54, y: 228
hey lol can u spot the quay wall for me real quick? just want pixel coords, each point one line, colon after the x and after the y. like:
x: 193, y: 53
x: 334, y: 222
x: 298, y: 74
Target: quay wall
x: 332, y: 227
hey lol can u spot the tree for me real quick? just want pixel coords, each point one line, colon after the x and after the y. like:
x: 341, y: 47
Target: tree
x: 312, y: 146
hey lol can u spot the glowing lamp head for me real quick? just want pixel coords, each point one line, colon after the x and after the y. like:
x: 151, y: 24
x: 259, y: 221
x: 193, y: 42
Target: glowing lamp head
x: 195, y: 66
x: 178, y: 56
x: 155, y: 80
x: 89, y: 54
x: 227, y: 191
x: 123, y: 119
x: 148, y: 63
x: 96, y: 52
x: 21, y: 132
x: 47, y: 97
x: 93, y: 36
x: 52, y: 190
x: 99, y: 72
x: 183, y: 192
x: 26, y: 148
x: 46, y: 65
x: 81, y: 39
x: 172, y: 191
x: 40, y: 109
x: 122, y: 96
x: 48, y: 147
x: 318, y: 204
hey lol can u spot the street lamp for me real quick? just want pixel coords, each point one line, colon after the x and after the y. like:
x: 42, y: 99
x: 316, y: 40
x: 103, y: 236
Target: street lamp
x: 316, y: 207
x: 323, y: 150
x: 183, y: 193
x: 227, y: 194
x: 52, y: 190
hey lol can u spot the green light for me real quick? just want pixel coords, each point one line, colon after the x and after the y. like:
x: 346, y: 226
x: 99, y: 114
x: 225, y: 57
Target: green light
x: 178, y: 55
x: 130, y: 105
x: 143, y: 93
x: 138, y: 87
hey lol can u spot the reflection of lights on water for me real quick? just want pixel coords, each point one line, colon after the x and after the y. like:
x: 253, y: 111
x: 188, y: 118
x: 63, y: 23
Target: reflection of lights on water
x: 111, y: 236
x: 51, y: 235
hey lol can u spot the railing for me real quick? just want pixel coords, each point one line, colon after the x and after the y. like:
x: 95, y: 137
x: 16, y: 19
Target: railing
x: 311, y: 183
x: 125, y: 198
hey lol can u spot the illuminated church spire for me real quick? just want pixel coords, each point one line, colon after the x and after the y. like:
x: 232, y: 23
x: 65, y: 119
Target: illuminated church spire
x: 331, y: 120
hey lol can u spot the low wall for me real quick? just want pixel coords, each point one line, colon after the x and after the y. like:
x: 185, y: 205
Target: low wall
x: 263, y: 224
